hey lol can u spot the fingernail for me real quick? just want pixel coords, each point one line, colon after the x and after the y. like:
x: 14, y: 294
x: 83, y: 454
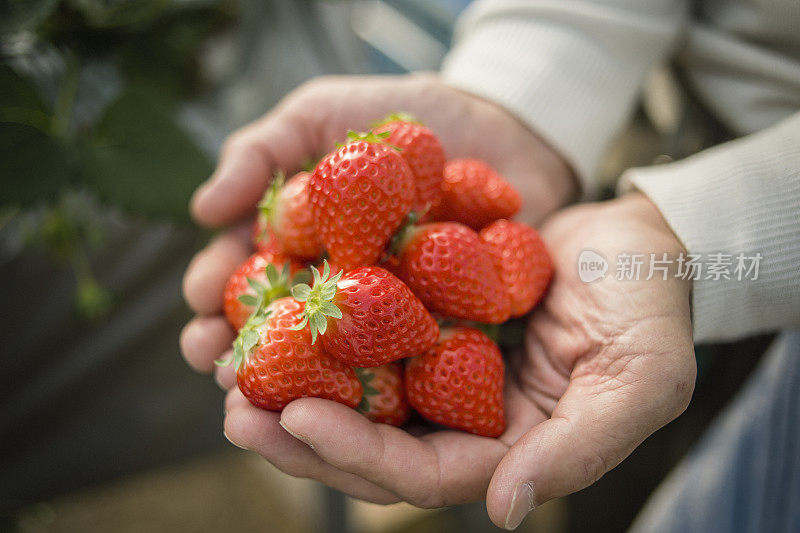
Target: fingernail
x: 231, y: 441
x: 296, y: 435
x: 521, y: 505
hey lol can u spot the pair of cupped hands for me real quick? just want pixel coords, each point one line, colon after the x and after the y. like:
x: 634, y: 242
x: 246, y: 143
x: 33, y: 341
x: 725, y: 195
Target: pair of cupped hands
x: 605, y: 364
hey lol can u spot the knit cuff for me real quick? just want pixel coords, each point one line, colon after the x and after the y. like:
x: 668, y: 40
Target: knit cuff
x: 573, y: 85
x: 737, y: 200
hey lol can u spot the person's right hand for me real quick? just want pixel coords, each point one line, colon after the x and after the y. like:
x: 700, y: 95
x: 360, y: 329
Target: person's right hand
x: 305, y: 125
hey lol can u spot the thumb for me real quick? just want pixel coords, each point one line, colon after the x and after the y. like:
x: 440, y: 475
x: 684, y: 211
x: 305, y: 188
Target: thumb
x: 282, y: 139
x: 592, y: 429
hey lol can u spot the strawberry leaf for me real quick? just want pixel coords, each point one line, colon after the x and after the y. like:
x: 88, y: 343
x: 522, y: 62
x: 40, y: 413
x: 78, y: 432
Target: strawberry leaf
x: 319, y: 323
x: 300, y: 325
x: 301, y: 292
x: 329, y: 309
x: 255, y: 285
x: 249, y: 339
x: 248, y: 299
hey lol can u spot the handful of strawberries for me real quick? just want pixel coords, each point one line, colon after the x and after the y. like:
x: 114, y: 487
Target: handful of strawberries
x: 410, y: 238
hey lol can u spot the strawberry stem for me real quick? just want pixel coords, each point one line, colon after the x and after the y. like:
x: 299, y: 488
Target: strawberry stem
x: 319, y: 301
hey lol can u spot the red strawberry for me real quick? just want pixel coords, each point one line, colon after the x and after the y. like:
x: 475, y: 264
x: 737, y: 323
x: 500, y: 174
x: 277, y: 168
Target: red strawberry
x: 459, y: 383
x: 263, y: 238
x: 285, y: 213
x: 263, y: 277
x: 449, y: 268
x: 366, y: 318
x: 474, y: 194
x: 522, y: 261
x: 360, y: 195
x: 422, y: 151
x: 384, y: 399
x: 277, y: 363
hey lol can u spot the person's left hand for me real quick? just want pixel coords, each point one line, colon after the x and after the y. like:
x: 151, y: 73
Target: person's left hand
x: 606, y: 365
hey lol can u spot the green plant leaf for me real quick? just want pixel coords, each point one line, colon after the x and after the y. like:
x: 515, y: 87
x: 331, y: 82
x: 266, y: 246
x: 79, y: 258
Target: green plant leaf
x: 18, y: 15
x: 141, y: 160
x: 35, y: 167
x: 17, y: 92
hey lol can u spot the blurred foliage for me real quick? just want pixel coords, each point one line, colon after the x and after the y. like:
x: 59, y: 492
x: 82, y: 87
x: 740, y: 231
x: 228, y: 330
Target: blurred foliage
x: 115, y: 137
x: 18, y: 15
x: 132, y: 154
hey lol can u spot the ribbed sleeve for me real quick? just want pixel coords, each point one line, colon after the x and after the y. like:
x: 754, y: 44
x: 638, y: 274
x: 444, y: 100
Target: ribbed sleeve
x: 571, y: 70
x: 741, y: 197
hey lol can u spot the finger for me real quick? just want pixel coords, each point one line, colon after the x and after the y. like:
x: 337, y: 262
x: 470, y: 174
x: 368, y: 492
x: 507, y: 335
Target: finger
x: 522, y: 412
x: 256, y: 429
x: 204, y: 339
x: 206, y: 275
x: 439, y: 469
x: 305, y: 124
x: 225, y: 376
x: 235, y: 399
x: 596, y: 424
x: 280, y: 140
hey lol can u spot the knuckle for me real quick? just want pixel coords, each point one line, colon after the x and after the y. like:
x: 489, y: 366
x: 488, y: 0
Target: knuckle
x: 235, y: 141
x: 310, y: 90
x: 427, y: 81
x: 428, y: 499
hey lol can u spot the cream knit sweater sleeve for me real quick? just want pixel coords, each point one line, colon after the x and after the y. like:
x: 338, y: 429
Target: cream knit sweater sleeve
x: 741, y: 197
x: 572, y: 71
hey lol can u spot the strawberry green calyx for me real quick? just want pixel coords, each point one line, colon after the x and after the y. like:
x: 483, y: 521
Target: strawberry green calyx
x: 319, y: 301
x: 365, y: 377
x: 269, y: 203
x: 277, y: 286
x: 397, y: 116
x: 246, y: 340
x: 370, y: 137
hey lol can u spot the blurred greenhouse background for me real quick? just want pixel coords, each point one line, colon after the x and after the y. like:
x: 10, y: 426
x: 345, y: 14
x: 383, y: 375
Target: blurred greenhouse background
x: 111, y: 113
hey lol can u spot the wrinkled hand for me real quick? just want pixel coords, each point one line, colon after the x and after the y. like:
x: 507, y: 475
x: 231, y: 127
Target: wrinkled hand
x: 606, y: 364
x: 307, y: 123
